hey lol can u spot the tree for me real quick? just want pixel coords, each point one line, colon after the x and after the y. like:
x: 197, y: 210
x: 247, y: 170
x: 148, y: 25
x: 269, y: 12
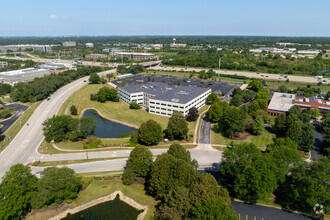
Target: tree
x: 306, y: 185
x: 73, y: 110
x: 107, y: 94
x: 56, y: 185
x: 192, y: 114
x: 150, y: 133
x: 255, y: 85
x: 177, y: 127
x: 258, y: 126
x: 139, y: 161
x: 295, y: 110
x: 168, y: 173
x: 233, y: 121
x: 315, y: 112
x: 282, y: 88
x: 216, y: 110
x: 134, y: 105
x: 16, y: 191
x: 211, y: 98
x: 213, y: 208
x: 307, y: 138
x: 237, y: 100
x: 94, y: 78
x: 285, y: 153
x: 206, y: 187
x: 247, y: 173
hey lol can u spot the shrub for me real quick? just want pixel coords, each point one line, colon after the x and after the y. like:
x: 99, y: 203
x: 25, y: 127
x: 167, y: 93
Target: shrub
x: 73, y: 110
x: 134, y: 105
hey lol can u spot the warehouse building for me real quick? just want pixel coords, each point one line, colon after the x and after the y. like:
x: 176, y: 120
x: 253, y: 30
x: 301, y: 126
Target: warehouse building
x: 162, y: 99
x: 69, y: 44
x: 23, y: 75
x: 42, y: 48
x: 96, y: 56
x: 56, y: 66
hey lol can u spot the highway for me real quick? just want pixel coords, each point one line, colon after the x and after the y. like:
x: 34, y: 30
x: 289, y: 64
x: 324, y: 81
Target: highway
x: 23, y: 148
x: 266, y: 76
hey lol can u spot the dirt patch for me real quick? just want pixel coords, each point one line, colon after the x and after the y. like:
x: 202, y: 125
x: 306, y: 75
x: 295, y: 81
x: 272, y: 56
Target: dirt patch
x: 241, y: 136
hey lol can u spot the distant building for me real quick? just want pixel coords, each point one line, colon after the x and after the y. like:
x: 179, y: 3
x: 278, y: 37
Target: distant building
x: 326, y: 51
x: 42, y: 48
x: 178, y: 45
x: 108, y: 50
x: 157, y: 46
x: 69, y: 44
x: 56, y: 66
x: 23, y: 75
x: 136, y: 56
x: 95, y: 56
x: 308, y: 52
x: 125, y: 76
x: 162, y: 99
x: 282, y: 102
x: 3, y: 64
x: 89, y: 45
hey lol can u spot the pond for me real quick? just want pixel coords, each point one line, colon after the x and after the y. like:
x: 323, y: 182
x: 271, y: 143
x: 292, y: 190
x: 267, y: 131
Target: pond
x: 114, y: 210
x: 107, y: 129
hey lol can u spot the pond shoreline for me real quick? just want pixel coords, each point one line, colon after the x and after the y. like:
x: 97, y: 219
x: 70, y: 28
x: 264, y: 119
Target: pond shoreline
x: 110, y: 119
x: 106, y: 198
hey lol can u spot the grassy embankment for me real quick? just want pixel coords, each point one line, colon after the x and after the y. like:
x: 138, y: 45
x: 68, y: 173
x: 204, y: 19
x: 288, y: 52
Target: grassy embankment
x: 96, y: 189
x: 13, y: 130
x: 259, y: 140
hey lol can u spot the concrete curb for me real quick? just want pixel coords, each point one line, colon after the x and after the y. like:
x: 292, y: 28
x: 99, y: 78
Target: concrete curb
x: 110, y: 197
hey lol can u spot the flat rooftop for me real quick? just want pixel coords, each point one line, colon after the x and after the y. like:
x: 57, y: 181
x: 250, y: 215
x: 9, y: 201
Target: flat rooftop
x: 163, y: 92
x: 22, y: 71
x: 281, y: 101
x: 136, y: 54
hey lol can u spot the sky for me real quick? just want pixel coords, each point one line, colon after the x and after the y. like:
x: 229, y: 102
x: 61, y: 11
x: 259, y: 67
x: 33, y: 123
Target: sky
x: 165, y: 17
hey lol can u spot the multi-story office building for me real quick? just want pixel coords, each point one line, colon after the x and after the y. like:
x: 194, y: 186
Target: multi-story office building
x: 163, y: 99
x: 136, y: 56
x: 42, y: 48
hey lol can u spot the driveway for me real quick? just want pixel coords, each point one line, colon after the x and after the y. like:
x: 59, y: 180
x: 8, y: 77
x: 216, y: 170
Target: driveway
x: 316, y: 152
x: 205, y: 131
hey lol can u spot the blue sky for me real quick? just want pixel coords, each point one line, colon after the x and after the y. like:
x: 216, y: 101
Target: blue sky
x: 165, y: 17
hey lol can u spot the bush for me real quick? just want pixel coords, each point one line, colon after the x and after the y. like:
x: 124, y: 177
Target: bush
x: 94, y: 78
x: 92, y: 142
x: 73, y: 110
x: 192, y: 114
x: 107, y: 94
x: 134, y: 105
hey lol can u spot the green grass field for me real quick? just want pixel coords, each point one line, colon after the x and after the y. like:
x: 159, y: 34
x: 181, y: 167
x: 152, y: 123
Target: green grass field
x: 79, y: 145
x: 260, y: 141
x: 13, y: 130
x: 96, y: 189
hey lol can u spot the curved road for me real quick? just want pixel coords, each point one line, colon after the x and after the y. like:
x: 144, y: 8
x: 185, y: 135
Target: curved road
x: 23, y: 148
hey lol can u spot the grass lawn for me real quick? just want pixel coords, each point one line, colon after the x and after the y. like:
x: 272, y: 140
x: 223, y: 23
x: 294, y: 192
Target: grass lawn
x: 13, y: 130
x: 79, y: 145
x: 260, y: 141
x: 98, y: 189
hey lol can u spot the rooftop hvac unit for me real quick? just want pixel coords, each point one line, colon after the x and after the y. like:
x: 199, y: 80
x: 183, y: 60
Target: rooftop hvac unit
x: 175, y: 100
x: 183, y: 92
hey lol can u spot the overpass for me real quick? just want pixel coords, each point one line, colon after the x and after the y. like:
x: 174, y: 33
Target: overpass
x: 151, y: 63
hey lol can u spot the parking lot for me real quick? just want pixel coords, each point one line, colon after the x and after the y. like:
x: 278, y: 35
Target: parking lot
x: 216, y: 86
x: 20, y: 109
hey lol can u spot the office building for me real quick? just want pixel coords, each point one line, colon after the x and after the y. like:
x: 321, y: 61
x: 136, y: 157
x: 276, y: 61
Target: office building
x: 162, y: 99
x: 89, y: 45
x: 95, y: 56
x: 56, y: 66
x: 42, y: 48
x: 23, y: 75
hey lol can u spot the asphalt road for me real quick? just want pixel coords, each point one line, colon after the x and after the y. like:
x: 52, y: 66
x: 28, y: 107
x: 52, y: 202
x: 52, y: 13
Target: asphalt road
x: 316, y: 152
x: 258, y: 212
x: 205, y: 131
x: 23, y: 148
x: 20, y: 110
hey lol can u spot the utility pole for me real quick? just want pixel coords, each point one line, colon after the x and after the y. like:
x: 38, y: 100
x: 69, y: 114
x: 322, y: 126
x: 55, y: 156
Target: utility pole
x: 219, y: 65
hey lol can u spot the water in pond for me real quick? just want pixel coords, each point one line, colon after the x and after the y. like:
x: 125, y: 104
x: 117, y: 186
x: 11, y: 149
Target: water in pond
x: 114, y: 210
x: 107, y: 129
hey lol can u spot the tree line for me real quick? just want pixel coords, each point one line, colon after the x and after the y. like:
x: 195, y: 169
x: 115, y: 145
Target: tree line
x: 41, y: 88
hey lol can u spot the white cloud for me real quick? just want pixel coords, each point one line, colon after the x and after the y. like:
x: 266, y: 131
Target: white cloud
x: 53, y: 17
